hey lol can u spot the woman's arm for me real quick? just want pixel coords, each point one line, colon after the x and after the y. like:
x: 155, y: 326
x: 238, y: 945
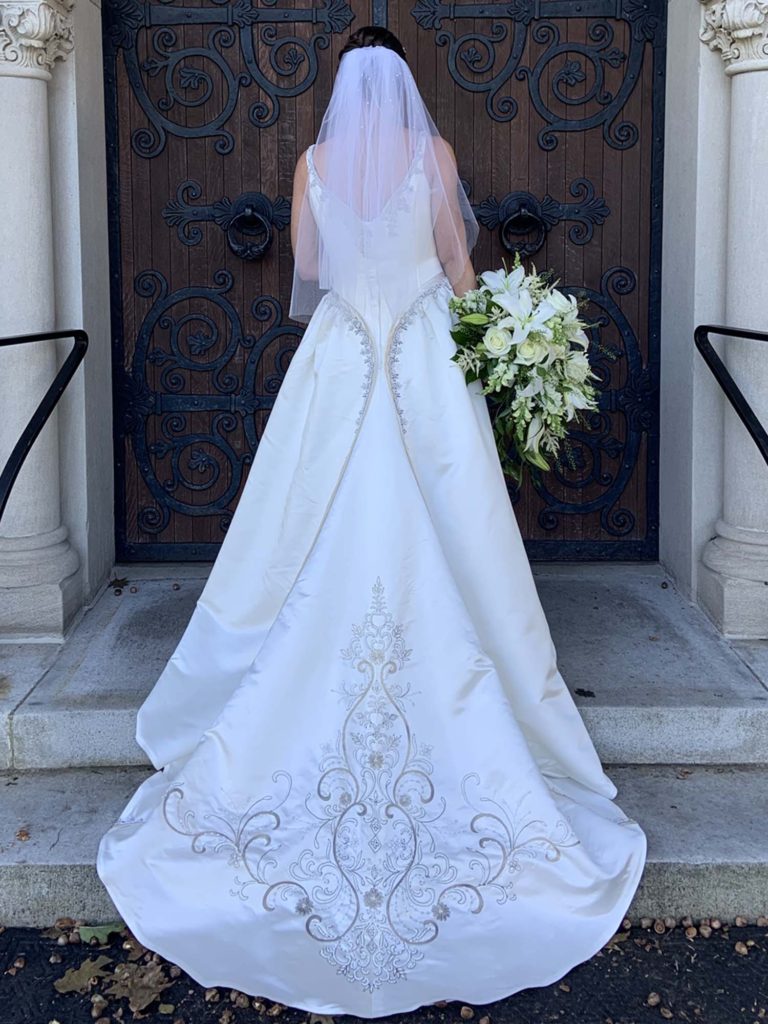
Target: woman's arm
x: 449, y: 224
x: 304, y: 248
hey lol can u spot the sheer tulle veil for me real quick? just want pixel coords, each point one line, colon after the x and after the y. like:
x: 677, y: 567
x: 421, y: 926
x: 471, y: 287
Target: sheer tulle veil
x: 375, y: 134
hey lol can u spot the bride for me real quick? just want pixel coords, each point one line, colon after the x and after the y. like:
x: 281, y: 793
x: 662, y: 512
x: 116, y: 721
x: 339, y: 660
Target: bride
x: 373, y: 788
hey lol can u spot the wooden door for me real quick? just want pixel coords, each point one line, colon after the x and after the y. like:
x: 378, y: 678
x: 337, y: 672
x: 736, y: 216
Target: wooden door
x: 555, y: 110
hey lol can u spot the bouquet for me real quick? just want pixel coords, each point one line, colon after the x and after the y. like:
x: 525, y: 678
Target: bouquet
x: 523, y: 340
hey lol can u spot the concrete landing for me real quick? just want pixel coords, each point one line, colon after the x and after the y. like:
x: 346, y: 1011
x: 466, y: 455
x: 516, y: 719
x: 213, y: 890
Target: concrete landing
x: 653, y: 680
x: 707, y: 854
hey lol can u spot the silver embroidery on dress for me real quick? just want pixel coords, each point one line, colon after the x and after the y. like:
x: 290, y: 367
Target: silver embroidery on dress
x: 399, y: 201
x: 415, y: 309
x: 357, y: 324
x: 372, y: 880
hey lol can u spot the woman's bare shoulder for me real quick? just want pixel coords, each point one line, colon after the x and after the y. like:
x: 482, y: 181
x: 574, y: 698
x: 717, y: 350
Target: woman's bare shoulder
x: 444, y: 150
x: 300, y: 170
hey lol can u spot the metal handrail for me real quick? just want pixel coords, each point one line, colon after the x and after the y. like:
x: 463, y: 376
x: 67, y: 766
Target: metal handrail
x: 46, y: 406
x: 733, y: 393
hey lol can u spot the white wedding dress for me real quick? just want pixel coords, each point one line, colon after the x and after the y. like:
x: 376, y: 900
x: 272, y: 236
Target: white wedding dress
x: 376, y: 790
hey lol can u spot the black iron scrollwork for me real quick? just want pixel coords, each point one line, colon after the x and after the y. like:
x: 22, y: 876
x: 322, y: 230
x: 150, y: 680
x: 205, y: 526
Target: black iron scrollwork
x: 248, y: 221
x: 519, y: 215
x: 200, y: 77
x: 601, y: 455
x: 566, y: 73
x: 179, y: 462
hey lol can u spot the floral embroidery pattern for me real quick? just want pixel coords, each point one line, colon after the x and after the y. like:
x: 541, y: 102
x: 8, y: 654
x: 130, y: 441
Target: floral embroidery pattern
x: 373, y: 884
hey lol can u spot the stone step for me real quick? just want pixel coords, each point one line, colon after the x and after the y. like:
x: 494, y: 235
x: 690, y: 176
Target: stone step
x: 653, y: 679
x: 707, y: 854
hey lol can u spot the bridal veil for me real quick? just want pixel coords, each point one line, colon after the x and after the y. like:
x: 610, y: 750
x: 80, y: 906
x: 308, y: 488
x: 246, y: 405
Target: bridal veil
x: 374, y: 131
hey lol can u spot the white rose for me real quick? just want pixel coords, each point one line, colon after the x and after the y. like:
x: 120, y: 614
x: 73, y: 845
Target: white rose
x: 577, y: 367
x: 532, y: 350
x: 497, y: 341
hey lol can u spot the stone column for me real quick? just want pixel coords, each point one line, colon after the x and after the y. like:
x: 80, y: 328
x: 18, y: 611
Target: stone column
x: 734, y: 584
x: 38, y: 585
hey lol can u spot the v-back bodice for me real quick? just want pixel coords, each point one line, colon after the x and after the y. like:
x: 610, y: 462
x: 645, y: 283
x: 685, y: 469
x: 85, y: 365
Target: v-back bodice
x: 385, y: 261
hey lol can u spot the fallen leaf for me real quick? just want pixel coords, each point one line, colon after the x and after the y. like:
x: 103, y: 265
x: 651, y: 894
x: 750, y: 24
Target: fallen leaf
x: 140, y: 984
x: 134, y: 948
x: 617, y: 938
x: 78, y: 979
x: 22, y: 835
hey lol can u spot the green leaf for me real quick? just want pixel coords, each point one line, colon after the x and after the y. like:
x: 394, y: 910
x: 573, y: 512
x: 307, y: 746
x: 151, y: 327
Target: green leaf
x: 100, y: 932
x: 536, y: 459
x: 476, y: 319
x: 463, y: 336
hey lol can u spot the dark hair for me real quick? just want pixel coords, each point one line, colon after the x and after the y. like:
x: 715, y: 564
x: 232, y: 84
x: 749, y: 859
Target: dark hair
x: 373, y: 35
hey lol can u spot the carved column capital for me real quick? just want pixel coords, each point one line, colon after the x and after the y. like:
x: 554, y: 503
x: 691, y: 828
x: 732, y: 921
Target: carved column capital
x: 739, y: 30
x: 33, y: 35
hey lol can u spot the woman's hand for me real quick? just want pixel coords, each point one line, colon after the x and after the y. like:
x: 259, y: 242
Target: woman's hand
x: 467, y: 281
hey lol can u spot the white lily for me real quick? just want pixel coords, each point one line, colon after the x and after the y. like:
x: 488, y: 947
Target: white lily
x: 565, y: 305
x: 533, y: 387
x: 525, y: 319
x: 581, y: 337
x: 499, y: 282
x: 577, y: 399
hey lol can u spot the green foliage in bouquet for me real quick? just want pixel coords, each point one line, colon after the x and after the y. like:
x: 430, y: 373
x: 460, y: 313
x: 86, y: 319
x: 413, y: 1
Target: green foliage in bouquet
x: 525, y: 342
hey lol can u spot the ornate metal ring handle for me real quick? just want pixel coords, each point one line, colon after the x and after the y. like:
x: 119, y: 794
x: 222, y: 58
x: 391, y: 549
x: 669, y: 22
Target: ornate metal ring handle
x: 249, y: 234
x: 249, y: 222
x: 522, y: 221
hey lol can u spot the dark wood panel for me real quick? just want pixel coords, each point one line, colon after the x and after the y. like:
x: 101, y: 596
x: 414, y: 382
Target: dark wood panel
x: 535, y: 97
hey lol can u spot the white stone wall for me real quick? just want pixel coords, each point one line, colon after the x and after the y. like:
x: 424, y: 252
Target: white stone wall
x: 56, y: 535
x: 82, y: 295
x: 733, y: 584
x: 693, y: 292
